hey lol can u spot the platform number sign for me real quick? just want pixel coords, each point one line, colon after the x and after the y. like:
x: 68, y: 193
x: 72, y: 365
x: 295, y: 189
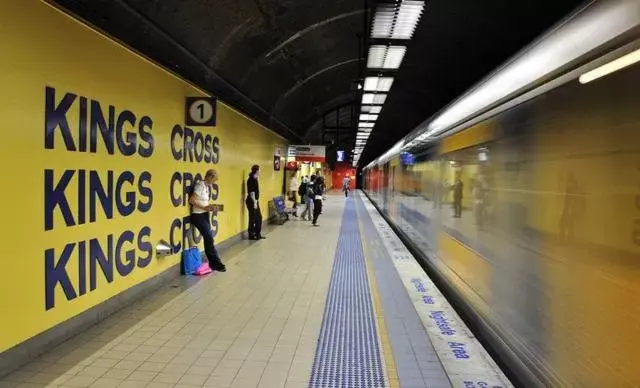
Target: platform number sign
x: 201, y: 111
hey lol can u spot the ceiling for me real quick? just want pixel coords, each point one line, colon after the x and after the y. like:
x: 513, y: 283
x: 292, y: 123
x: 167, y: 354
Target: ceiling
x: 287, y: 62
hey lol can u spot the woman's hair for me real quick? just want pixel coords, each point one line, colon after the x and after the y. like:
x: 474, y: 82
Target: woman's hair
x: 255, y: 168
x: 211, y: 174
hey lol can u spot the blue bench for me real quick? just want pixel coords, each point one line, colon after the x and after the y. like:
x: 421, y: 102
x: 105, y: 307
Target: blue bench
x: 279, y: 206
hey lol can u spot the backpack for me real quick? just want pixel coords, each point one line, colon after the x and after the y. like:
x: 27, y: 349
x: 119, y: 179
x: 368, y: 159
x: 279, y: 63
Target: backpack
x: 302, y: 189
x: 311, y: 193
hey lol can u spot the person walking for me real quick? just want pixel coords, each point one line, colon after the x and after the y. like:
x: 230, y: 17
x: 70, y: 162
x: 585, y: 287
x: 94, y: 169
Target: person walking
x: 253, y: 204
x: 200, y: 219
x: 293, y: 191
x: 318, y: 190
x: 346, y: 182
x: 309, y: 195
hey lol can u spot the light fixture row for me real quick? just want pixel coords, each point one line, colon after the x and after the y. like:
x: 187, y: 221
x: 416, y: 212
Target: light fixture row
x: 394, y: 22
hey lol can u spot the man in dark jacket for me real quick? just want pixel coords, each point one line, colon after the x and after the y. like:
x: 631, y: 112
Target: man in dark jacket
x: 253, y: 204
x: 318, y: 191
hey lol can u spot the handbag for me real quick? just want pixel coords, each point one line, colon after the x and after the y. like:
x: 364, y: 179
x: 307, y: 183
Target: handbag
x: 191, y: 260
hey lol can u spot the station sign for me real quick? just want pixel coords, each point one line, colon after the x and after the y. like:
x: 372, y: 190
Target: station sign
x: 307, y: 153
x: 201, y: 111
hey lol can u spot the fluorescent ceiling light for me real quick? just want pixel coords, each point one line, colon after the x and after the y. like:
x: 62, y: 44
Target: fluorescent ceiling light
x: 379, y: 98
x: 385, y: 57
x: 367, y: 98
x: 376, y: 56
x: 366, y: 125
x: 378, y: 84
x: 394, y: 57
x: 396, y: 21
x: 407, y: 19
x: 373, y: 109
x: 611, y: 67
x: 596, y: 25
x: 371, y: 84
x: 366, y: 117
x: 383, y: 21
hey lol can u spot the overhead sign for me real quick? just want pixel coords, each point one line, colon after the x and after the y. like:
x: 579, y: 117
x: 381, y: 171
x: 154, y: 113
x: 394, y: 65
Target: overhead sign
x: 201, y: 111
x: 308, y: 153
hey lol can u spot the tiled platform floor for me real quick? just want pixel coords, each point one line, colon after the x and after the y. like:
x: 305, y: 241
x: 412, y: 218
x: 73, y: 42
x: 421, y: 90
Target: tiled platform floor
x: 256, y: 325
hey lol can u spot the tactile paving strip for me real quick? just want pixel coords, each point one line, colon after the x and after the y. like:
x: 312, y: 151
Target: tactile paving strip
x: 348, y: 353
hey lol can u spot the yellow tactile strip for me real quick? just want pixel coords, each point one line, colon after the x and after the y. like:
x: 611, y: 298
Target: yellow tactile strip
x: 387, y: 352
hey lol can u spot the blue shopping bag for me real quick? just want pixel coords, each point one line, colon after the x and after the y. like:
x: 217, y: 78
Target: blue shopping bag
x: 191, y: 260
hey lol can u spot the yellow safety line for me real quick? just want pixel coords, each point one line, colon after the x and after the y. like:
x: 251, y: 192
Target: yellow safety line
x: 389, y: 361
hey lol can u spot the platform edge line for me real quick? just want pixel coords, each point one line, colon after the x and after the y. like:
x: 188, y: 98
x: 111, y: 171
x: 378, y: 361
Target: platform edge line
x: 387, y: 351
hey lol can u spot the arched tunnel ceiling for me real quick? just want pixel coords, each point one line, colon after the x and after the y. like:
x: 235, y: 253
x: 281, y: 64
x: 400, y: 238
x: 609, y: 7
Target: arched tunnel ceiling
x: 286, y: 62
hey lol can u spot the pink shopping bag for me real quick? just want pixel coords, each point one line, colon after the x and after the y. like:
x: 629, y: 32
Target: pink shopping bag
x: 203, y: 269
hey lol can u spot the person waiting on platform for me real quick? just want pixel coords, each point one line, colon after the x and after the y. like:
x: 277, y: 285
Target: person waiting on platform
x: 253, y: 204
x: 200, y: 208
x: 318, y: 190
x: 293, y: 188
x: 346, y: 182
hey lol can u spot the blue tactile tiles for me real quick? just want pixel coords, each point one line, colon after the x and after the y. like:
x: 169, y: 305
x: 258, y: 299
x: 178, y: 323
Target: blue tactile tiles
x: 348, y: 353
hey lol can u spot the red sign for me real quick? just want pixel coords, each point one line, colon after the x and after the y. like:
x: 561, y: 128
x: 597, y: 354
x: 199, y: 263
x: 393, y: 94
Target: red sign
x: 292, y: 166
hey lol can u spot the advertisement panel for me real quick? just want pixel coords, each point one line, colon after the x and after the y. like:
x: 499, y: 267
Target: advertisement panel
x: 101, y: 163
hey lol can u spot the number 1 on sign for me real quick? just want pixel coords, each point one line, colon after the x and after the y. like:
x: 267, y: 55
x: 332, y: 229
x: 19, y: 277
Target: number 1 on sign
x: 200, y: 107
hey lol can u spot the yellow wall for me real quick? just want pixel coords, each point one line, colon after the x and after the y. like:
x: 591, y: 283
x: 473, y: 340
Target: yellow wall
x: 41, y: 48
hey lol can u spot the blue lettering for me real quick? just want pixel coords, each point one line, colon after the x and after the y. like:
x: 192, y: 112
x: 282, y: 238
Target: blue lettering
x: 82, y: 202
x: 459, y: 350
x: 55, y: 273
x: 82, y: 268
x: 145, y: 192
x: 125, y: 267
x: 127, y: 208
x: 98, y: 258
x: 82, y: 124
x: 428, y: 299
x: 144, y: 245
x: 214, y: 223
x: 200, y: 154
x: 97, y: 191
x: 54, y: 196
x: 175, y: 132
x: 56, y: 117
x: 215, y: 191
x: 419, y: 286
x: 175, y: 200
x: 208, y: 151
x: 215, y: 158
x: 146, y: 136
x: 98, y: 122
x: 188, y: 144
x: 125, y: 262
x: 128, y: 147
x: 442, y: 323
x: 176, y: 245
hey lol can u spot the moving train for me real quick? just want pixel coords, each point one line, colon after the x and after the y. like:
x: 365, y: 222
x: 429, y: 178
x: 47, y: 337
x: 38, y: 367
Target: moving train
x: 522, y: 198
